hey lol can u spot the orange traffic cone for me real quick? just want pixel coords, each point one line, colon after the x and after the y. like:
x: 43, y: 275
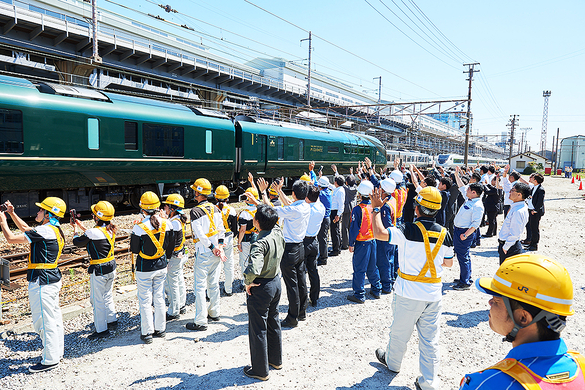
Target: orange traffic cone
x: 580, y: 185
x: 573, y: 180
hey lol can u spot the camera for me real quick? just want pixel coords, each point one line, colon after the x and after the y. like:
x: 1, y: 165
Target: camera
x: 73, y: 214
x: 3, y: 207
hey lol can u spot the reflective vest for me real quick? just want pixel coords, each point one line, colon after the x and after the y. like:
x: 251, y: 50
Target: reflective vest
x: 253, y: 214
x: 366, y: 231
x: 225, y: 213
x: 52, y: 265
x: 111, y: 240
x: 157, y: 243
x: 178, y: 248
x: 430, y: 264
x: 400, y: 196
x: 531, y: 381
x: 209, y: 212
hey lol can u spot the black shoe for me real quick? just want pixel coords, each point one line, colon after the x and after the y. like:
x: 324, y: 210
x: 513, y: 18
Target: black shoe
x: 387, y: 291
x: 275, y: 366
x: 457, y: 281
x: 487, y: 235
x: 183, y: 310
x: 375, y: 295
x: 525, y: 242
x: 381, y: 355
x: 170, y: 317
x: 113, y: 325
x: 286, y: 323
x: 42, y: 367
x: 336, y: 253
x: 344, y: 248
x: 194, y: 326
x: 147, y: 338
x: 532, y: 248
x: 248, y: 372
x: 355, y: 299
x: 461, y: 287
x: 159, y: 333
x: 314, y: 303
x: 473, y: 246
x: 100, y: 335
x: 324, y: 262
x: 227, y: 294
x: 302, y: 317
x: 210, y: 318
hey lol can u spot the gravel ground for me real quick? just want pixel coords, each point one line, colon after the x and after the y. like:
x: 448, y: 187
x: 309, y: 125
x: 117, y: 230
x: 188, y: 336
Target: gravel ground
x: 333, y: 349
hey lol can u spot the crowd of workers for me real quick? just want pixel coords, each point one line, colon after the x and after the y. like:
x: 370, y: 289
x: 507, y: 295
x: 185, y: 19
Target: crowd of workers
x: 402, y: 226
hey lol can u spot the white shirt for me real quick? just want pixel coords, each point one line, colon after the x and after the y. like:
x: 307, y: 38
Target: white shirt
x: 315, y: 218
x: 338, y: 200
x: 529, y: 200
x: 507, y: 186
x: 295, y: 219
x: 514, y: 224
x: 470, y: 214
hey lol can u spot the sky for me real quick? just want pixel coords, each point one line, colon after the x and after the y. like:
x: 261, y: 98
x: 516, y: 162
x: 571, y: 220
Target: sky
x: 418, y: 47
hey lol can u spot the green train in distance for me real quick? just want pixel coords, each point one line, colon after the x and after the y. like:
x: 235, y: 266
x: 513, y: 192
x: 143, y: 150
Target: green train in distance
x: 84, y: 145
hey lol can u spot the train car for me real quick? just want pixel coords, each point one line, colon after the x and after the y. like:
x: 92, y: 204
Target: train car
x: 420, y: 160
x: 85, y: 145
x: 452, y: 160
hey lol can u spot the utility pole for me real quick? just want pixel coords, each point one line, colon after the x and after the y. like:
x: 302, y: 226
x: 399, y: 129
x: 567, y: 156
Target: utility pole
x: 557, y: 150
x: 512, y: 125
x: 546, y: 95
x: 95, y: 56
x: 309, y: 71
x: 469, y: 71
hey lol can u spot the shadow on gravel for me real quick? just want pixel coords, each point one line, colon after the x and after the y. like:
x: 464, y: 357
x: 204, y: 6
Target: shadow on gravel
x: 467, y: 320
x: 213, y: 381
x: 491, y: 253
x: 380, y: 379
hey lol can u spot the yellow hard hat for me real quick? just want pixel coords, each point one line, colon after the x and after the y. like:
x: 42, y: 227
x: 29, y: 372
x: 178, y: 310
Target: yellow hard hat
x: 430, y: 197
x: 533, y: 279
x: 272, y: 191
x: 305, y: 178
x: 175, y: 200
x: 222, y: 192
x: 203, y: 186
x: 149, y: 201
x: 103, y: 210
x: 253, y: 191
x: 53, y: 205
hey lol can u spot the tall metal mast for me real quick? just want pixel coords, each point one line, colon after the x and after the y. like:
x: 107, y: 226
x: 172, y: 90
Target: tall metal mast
x: 467, y: 122
x: 546, y: 95
x: 309, y: 71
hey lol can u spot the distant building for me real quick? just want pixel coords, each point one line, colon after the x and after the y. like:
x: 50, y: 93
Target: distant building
x: 520, y: 161
x: 572, y: 152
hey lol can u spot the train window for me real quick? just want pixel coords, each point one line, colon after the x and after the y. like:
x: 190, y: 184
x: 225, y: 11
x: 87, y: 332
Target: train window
x: 280, y: 148
x: 11, y: 131
x: 354, y: 150
x: 162, y: 140
x: 93, y: 133
x: 301, y: 149
x: 333, y: 149
x: 131, y: 135
x: 208, y: 139
x: 361, y: 150
x: 367, y: 150
x: 347, y: 149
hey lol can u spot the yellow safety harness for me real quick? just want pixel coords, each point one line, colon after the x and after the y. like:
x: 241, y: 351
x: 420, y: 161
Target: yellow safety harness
x: 52, y: 265
x: 178, y: 248
x: 527, y: 378
x: 111, y: 240
x: 157, y: 243
x: 225, y: 213
x: 430, y: 264
x: 253, y: 214
x: 212, y: 229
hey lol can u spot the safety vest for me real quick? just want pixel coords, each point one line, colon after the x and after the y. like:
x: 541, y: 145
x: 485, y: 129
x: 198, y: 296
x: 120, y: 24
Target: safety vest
x: 225, y: 213
x: 430, y: 264
x: 400, y: 196
x: 52, y: 265
x: 393, y: 212
x: 253, y: 214
x: 366, y: 231
x: 209, y: 212
x: 531, y: 381
x: 111, y: 240
x: 178, y: 248
x: 157, y: 243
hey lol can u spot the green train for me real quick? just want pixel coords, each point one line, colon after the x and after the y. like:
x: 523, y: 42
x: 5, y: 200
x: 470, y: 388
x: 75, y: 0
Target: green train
x: 86, y: 145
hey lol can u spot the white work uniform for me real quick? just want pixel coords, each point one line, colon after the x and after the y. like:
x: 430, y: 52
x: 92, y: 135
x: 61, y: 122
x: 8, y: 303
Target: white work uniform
x: 175, y: 281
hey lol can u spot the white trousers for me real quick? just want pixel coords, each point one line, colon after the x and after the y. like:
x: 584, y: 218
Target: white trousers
x: 244, y: 256
x: 47, y: 319
x: 206, y: 276
x: 228, y: 266
x: 425, y: 315
x: 102, y: 300
x: 175, y: 285
x: 151, y: 289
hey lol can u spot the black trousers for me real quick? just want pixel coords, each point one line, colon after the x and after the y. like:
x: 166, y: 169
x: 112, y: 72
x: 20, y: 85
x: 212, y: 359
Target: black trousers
x: 514, y: 250
x: 311, y: 251
x: 323, y: 238
x: 534, y: 222
x: 293, y: 271
x: 335, y: 232
x: 264, y: 326
x: 492, y: 222
x: 345, y: 220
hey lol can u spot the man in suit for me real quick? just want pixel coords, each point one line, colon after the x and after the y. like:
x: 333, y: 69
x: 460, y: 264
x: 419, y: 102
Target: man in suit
x: 535, y: 211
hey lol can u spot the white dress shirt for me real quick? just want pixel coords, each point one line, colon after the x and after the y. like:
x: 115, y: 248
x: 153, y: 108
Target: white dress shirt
x: 470, y: 214
x: 295, y: 219
x: 315, y: 218
x: 514, y: 224
x: 338, y: 200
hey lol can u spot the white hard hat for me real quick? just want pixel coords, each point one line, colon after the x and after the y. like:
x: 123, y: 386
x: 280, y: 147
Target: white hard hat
x: 388, y: 185
x: 365, y: 188
x: 323, y: 182
x: 397, y: 176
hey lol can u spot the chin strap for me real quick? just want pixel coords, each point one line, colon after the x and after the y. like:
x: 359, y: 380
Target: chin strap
x: 553, y: 320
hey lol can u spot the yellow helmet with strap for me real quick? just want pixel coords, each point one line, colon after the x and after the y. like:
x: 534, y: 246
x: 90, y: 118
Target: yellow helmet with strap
x: 149, y: 201
x: 53, y: 205
x: 430, y: 197
x: 202, y: 186
x: 103, y: 210
x: 254, y: 192
x: 175, y: 200
x: 305, y: 178
x: 222, y: 192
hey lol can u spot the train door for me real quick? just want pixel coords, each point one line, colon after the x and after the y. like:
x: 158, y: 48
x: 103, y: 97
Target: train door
x: 261, y: 148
